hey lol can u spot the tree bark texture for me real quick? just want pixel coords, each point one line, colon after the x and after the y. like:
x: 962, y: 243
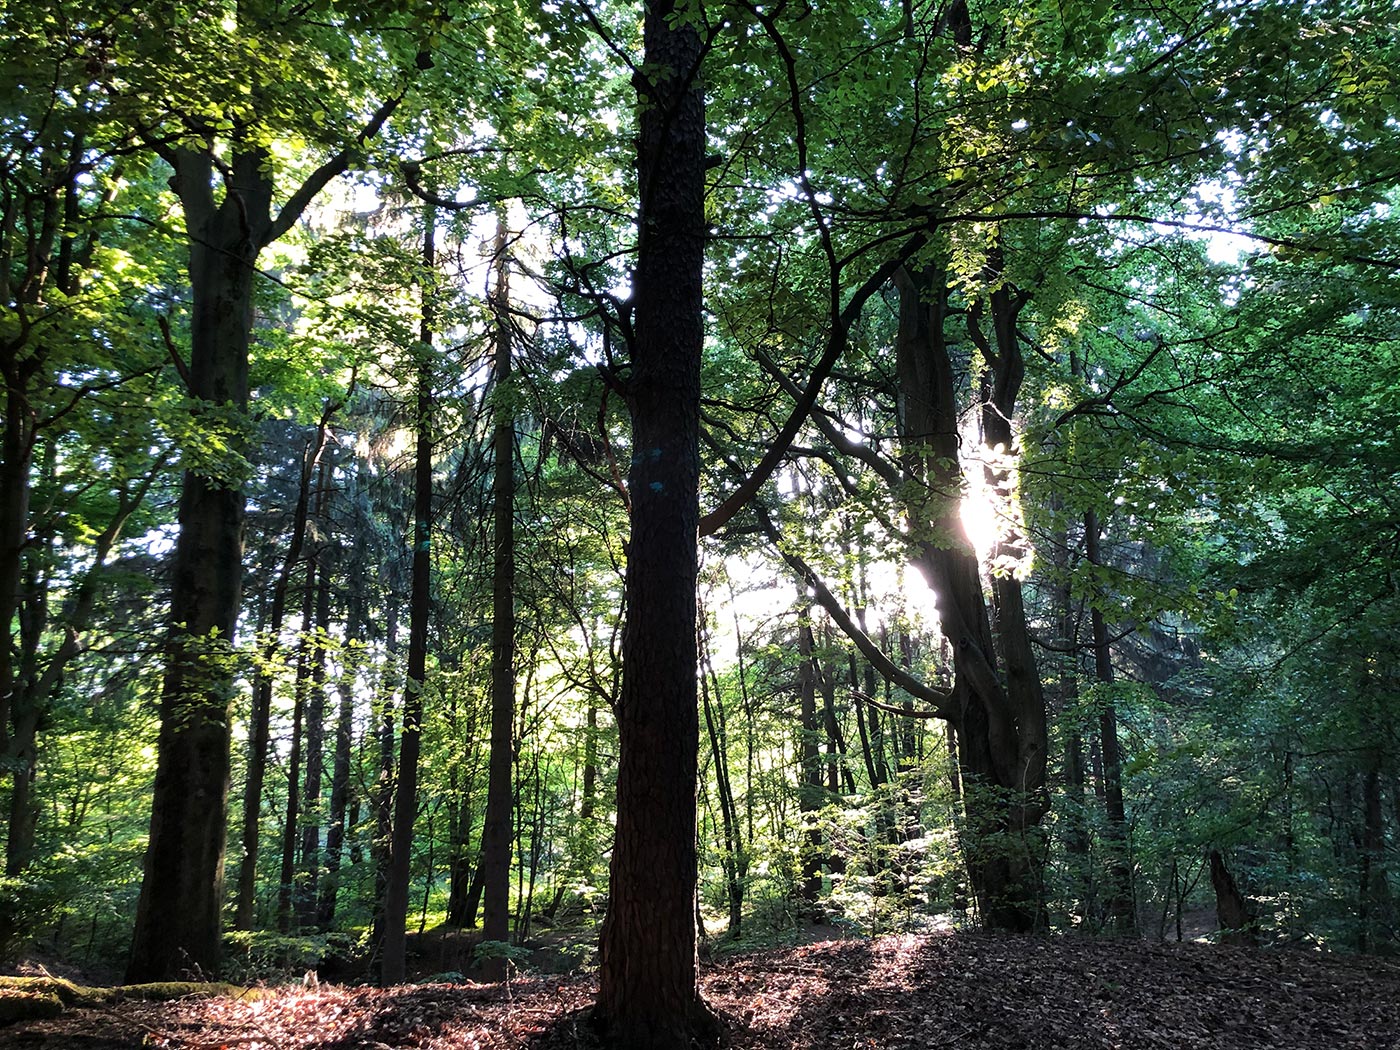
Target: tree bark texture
x: 178, y: 913
x: 1233, y: 910
x: 998, y: 712
x: 648, y: 994
x: 496, y: 833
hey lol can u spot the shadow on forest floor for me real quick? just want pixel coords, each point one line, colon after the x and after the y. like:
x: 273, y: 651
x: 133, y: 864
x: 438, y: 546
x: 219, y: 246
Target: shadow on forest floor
x: 957, y: 990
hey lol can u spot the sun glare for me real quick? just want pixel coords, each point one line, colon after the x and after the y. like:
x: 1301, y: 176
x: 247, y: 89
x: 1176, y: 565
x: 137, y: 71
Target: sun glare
x: 981, y: 518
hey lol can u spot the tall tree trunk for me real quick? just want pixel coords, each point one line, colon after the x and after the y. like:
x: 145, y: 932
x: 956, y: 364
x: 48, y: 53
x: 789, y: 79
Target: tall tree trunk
x: 382, y: 796
x: 310, y: 864
x: 340, y: 770
x: 648, y: 987
x: 496, y: 833
x: 1000, y: 722
x: 394, y: 964
x: 178, y: 911
x: 1122, y: 912
x: 1376, y: 901
x: 259, y: 721
x: 809, y: 778
x: 287, y: 886
x: 731, y: 862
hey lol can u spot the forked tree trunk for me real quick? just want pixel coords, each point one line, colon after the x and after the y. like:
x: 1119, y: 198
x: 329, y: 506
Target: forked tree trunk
x: 178, y: 911
x: 997, y: 706
x: 648, y: 987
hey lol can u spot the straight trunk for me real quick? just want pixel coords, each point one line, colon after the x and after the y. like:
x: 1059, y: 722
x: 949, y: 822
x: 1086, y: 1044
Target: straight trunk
x: 809, y: 782
x: 394, y: 961
x: 730, y: 862
x: 648, y: 982
x: 259, y: 722
x: 310, y: 863
x: 382, y: 799
x: 496, y: 833
x: 340, y: 771
x: 287, y: 886
x: 1122, y: 913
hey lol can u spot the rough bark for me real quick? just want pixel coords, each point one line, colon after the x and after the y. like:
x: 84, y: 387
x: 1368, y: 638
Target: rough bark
x: 177, y: 915
x: 999, y: 714
x: 496, y: 832
x: 648, y: 993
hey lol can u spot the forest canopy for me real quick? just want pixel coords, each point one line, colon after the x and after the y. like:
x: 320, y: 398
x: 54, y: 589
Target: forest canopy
x: 675, y: 472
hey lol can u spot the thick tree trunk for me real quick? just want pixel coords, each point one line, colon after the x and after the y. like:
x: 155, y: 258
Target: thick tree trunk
x: 1234, y: 911
x: 496, y: 832
x: 394, y: 962
x: 1000, y: 721
x: 178, y: 912
x: 648, y: 988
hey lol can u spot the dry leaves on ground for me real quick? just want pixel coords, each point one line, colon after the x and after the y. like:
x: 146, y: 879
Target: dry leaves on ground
x: 947, y: 991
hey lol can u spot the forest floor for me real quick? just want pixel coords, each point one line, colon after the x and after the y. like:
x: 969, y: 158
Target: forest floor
x: 948, y: 991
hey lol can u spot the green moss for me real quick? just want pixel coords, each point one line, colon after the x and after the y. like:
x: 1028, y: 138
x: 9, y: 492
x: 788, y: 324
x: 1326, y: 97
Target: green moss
x: 66, y: 993
x: 17, y: 1005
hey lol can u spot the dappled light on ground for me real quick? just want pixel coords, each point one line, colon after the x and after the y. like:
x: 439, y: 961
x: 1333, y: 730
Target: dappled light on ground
x: 895, y: 992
